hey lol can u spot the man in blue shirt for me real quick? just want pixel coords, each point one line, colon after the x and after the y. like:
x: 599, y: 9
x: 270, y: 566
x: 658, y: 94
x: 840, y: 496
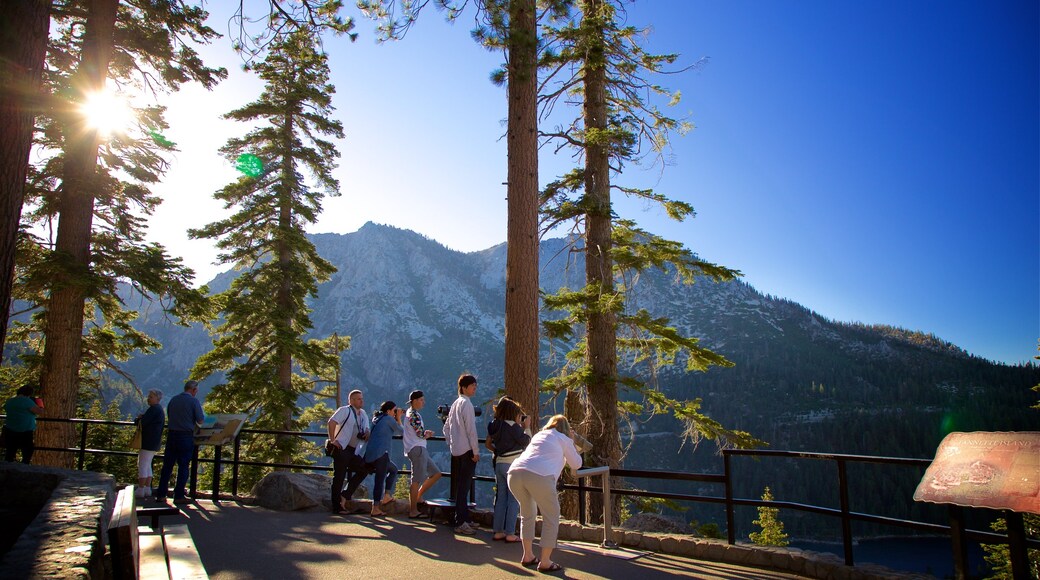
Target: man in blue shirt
x: 183, y: 414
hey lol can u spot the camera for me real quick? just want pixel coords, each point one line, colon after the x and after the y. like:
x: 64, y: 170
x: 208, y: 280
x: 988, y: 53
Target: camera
x: 443, y: 410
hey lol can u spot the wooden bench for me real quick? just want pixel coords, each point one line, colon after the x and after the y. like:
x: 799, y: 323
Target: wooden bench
x: 156, y: 512
x: 123, y: 536
x: 150, y: 551
x: 444, y: 505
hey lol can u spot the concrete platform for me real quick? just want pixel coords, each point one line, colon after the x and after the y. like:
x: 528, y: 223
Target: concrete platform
x: 246, y: 542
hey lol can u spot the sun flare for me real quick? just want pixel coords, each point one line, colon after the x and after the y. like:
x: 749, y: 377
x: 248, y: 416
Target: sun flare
x: 107, y: 112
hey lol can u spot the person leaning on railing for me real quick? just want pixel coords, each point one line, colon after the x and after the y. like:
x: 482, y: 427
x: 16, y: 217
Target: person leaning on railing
x: 386, y: 423
x: 532, y: 479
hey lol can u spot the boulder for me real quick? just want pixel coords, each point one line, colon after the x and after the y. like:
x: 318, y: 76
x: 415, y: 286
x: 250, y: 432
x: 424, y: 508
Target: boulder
x: 287, y: 491
x: 656, y: 523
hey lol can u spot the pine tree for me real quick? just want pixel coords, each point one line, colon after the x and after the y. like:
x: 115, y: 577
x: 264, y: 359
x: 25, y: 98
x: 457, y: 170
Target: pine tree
x: 96, y: 188
x: 23, y: 44
x: 512, y: 27
x: 265, y: 314
x: 772, y: 529
x: 598, y: 65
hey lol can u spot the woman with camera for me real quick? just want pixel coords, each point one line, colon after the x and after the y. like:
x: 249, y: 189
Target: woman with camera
x: 532, y: 479
x: 508, y: 435
x: 386, y: 423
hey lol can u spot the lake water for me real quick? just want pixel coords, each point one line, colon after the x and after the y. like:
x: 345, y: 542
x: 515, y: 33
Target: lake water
x: 925, y: 555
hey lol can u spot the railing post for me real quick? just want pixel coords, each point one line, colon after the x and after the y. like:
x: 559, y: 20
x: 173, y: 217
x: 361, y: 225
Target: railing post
x: 1017, y: 551
x: 608, y: 508
x: 960, y: 546
x: 846, y: 523
x: 731, y: 533
x: 216, y: 471
x: 581, y: 501
x: 83, y: 445
x: 234, y: 466
x: 194, y: 471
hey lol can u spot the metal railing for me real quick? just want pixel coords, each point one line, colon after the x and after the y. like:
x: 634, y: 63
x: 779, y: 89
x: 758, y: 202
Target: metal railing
x: 956, y: 530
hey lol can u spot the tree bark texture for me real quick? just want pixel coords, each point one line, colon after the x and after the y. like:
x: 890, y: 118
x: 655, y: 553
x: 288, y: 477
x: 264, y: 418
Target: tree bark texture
x: 574, y: 409
x: 285, y: 305
x: 522, y: 326
x: 23, y: 44
x: 64, y: 327
x: 602, y: 417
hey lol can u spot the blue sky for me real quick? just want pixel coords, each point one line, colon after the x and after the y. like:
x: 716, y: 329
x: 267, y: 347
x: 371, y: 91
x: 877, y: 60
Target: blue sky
x: 876, y: 162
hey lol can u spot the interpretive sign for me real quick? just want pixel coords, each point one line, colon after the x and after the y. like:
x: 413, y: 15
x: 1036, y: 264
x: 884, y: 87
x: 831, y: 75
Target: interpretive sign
x: 220, y: 429
x: 985, y: 470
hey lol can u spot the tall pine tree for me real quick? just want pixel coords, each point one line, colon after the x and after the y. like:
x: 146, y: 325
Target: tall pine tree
x: 96, y: 188
x: 510, y: 26
x: 265, y: 314
x: 595, y: 63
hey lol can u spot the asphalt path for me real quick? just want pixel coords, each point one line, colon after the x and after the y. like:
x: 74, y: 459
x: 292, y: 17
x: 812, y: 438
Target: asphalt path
x: 238, y: 541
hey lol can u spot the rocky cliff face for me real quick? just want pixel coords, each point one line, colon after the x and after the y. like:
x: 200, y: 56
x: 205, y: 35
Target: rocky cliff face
x: 419, y: 314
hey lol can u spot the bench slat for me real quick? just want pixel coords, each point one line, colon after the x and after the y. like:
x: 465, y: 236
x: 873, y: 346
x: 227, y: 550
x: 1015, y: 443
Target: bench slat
x: 185, y: 562
x: 153, y: 555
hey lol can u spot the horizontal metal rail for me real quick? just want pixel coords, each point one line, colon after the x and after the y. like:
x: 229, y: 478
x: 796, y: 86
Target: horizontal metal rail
x: 724, y: 479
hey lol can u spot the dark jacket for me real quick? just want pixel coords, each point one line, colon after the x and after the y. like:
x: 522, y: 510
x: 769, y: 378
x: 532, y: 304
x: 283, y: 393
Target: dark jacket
x: 507, y: 439
x: 151, y: 427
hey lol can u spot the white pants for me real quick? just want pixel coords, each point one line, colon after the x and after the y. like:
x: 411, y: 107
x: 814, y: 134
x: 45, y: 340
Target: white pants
x: 144, y: 463
x: 536, y: 492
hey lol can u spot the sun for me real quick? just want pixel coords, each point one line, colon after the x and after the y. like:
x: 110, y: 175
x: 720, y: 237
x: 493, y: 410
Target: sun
x: 107, y: 112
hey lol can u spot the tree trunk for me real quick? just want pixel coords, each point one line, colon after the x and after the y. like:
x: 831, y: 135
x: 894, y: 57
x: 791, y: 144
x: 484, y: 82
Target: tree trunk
x: 64, y: 327
x: 602, y: 419
x: 522, y: 327
x: 574, y: 408
x: 284, y: 299
x: 23, y: 43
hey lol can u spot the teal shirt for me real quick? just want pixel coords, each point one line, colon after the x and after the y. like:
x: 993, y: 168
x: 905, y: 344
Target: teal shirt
x: 19, y: 417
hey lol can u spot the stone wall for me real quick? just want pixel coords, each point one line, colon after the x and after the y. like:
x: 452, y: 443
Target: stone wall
x: 65, y: 538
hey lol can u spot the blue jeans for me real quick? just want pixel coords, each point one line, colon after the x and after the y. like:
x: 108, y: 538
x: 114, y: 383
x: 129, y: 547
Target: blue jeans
x: 386, y: 478
x: 180, y: 446
x: 506, y: 506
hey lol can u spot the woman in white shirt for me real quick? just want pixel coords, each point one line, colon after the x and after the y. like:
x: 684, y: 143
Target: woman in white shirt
x: 532, y: 480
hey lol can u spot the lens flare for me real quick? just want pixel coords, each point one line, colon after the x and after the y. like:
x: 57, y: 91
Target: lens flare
x: 250, y: 165
x: 107, y: 112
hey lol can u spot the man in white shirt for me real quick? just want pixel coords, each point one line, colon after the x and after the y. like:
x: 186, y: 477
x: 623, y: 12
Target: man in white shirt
x: 425, y: 472
x: 348, y: 428
x: 460, y: 431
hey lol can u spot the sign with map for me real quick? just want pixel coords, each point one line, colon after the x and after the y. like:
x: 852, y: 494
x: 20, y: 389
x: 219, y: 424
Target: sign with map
x: 985, y: 470
x: 220, y: 429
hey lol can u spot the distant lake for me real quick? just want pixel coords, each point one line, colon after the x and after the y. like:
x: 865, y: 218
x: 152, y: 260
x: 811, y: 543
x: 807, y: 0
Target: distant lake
x: 923, y: 555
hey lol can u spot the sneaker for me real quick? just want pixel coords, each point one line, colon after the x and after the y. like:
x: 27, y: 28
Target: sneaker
x: 465, y: 530
x: 473, y: 525
x: 182, y: 500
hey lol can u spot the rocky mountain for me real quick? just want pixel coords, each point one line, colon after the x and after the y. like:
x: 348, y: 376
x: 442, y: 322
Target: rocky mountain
x: 419, y: 314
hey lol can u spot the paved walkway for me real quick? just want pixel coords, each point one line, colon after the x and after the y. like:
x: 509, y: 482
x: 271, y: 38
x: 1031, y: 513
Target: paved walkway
x: 247, y: 542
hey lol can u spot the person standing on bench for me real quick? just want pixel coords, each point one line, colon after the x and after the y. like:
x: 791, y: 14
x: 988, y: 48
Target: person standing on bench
x: 185, y: 414
x: 348, y: 428
x: 460, y: 430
